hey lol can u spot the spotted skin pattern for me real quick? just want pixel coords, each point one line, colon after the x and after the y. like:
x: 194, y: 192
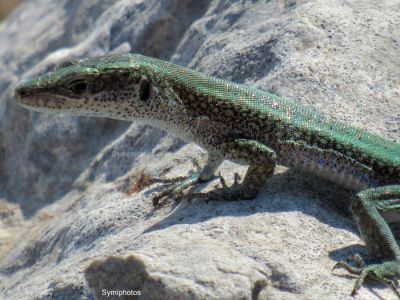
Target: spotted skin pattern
x: 242, y: 124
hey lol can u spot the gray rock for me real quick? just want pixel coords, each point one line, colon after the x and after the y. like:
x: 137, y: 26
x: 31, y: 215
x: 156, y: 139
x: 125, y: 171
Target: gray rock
x: 74, y: 220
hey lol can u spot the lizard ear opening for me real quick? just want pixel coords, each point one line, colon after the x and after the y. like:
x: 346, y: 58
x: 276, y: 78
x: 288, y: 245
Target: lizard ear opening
x: 144, y: 89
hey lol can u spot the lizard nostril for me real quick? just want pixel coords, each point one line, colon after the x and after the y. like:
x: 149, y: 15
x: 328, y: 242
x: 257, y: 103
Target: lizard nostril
x: 20, y: 93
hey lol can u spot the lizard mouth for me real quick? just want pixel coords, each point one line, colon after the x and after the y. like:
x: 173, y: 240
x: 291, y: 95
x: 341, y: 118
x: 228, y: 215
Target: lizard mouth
x: 38, y: 101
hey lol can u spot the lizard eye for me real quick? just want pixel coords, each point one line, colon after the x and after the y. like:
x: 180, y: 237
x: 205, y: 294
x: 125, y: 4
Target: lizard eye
x: 78, y: 86
x: 144, y: 89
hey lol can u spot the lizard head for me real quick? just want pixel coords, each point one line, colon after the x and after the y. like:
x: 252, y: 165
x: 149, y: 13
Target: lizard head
x: 118, y: 87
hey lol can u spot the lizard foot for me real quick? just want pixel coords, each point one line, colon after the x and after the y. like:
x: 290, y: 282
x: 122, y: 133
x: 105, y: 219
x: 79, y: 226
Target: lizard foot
x: 179, y: 185
x: 383, y: 273
x: 236, y: 191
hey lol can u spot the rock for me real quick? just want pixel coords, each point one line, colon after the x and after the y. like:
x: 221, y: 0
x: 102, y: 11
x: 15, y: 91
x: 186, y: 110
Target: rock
x: 75, y: 215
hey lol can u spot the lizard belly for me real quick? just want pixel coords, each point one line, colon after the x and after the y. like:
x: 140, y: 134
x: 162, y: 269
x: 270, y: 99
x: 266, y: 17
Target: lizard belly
x: 346, y: 177
x: 329, y: 165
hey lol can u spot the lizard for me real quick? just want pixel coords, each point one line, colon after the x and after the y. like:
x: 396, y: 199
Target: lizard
x: 242, y: 124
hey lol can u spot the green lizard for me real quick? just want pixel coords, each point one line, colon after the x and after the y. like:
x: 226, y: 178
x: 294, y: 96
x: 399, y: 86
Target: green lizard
x: 242, y: 124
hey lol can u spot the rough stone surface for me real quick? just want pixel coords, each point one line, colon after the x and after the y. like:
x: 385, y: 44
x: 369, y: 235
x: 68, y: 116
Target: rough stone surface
x: 72, y: 221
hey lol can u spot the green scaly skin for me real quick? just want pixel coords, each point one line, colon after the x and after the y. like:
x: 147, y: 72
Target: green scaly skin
x: 238, y: 123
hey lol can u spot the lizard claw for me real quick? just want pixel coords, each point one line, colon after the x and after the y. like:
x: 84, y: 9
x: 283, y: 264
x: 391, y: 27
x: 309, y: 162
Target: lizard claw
x: 236, y: 180
x: 222, y: 180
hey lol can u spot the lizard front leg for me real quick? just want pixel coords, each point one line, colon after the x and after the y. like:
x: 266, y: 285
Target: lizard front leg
x: 261, y: 160
x: 217, y: 138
